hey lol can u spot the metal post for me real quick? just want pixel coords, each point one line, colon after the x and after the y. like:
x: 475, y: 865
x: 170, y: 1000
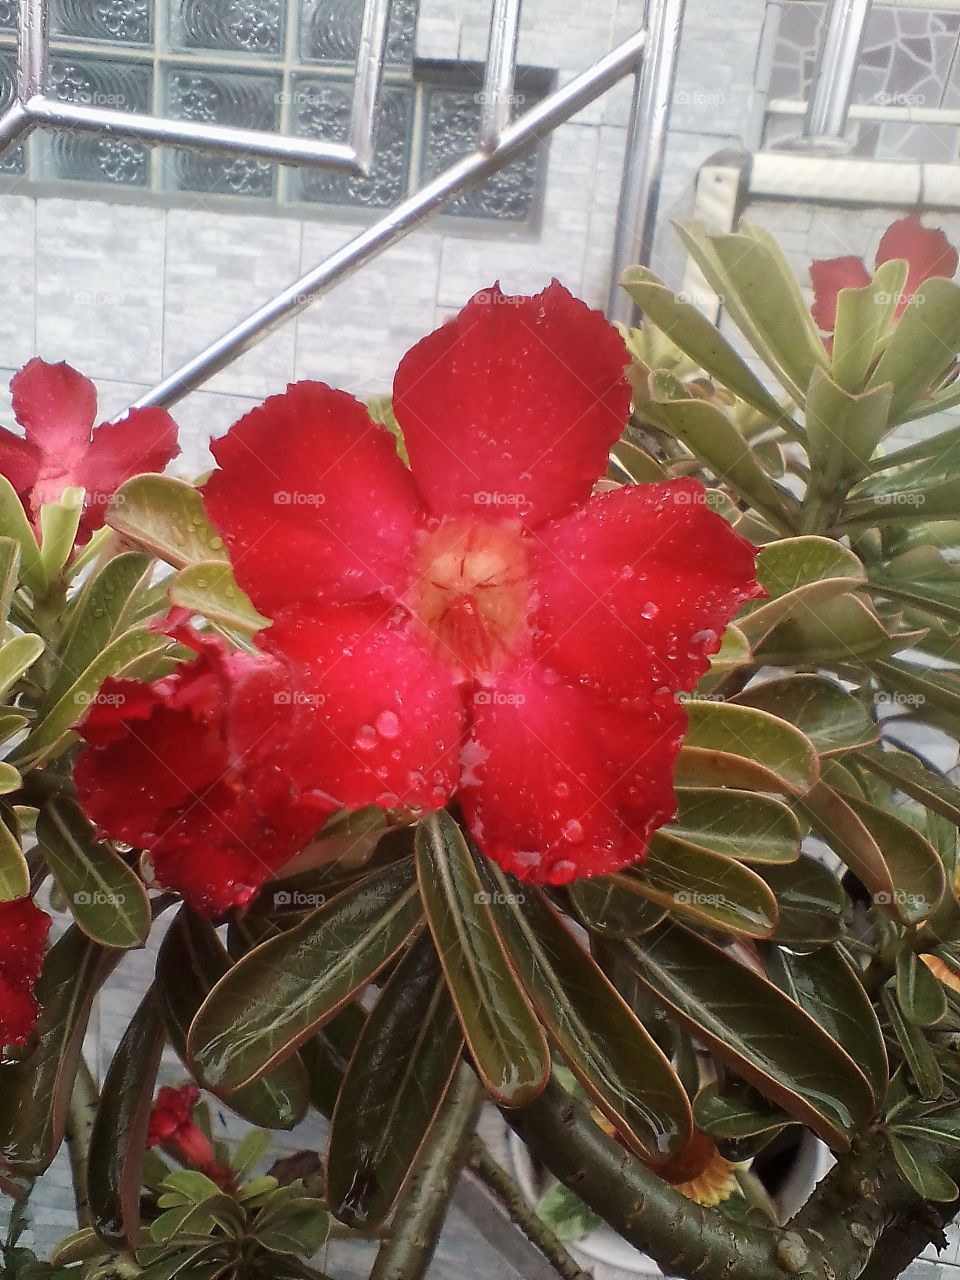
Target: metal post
x: 645, y: 148
x: 498, y: 80
x: 832, y: 90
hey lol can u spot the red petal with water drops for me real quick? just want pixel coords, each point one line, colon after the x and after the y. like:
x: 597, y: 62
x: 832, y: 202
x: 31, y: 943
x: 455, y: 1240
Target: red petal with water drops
x: 145, y: 440
x: 23, y: 933
x: 927, y: 251
x: 162, y: 771
x: 382, y: 716
x: 559, y: 784
x: 312, y: 500
x: 828, y: 276
x: 56, y: 406
x: 512, y: 406
x: 636, y: 588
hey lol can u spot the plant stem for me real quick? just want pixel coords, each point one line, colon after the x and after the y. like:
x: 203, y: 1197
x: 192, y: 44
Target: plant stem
x: 422, y: 1206
x: 513, y: 1202
x: 83, y: 1107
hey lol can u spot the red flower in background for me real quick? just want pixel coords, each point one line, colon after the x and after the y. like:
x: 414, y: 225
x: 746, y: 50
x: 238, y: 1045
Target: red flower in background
x: 171, y: 1126
x: 57, y: 407
x: 927, y: 252
x: 478, y: 624
x: 184, y: 767
x: 23, y: 933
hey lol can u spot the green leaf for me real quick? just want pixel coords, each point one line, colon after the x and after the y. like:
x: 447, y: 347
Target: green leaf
x: 106, y: 897
x: 923, y: 577
x: 614, y: 905
x: 165, y: 517
x: 796, y: 571
x: 97, y: 616
x: 635, y: 463
x: 934, y: 694
x: 917, y: 1053
x: 843, y: 430
x: 916, y: 779
x: 210, y: 589
x: 119, y: 1135
x: 700, y: 339
x: 922, y: 346
x: 299, y: 1226
x: 739, y: 746
x: 810, y: 901
x: 35, y: 1090
x: 828, y: 987
x: 708, y: 888
x: 845, y: 629
x: 59, y: 522
x: 919, y: 994
x: 740, y: 1113
x: 285, y: 989
x: 940, y: 1129
x: 506, y: 1041
x: 834, y: 721
x: 863, y: 318
x: 926, y: 1178
x: 16, y: 656
x: 191, y: 962
x: 394, y: 1086
x: 114, y: 660
x: 9, y: 575
x: 14, y: 872
x: 602, y: 1041
x: 748, y: 1023
x: 740, y: 824
x: 14, y: 524
x: 565, y: 1213
x: 249, y: 1152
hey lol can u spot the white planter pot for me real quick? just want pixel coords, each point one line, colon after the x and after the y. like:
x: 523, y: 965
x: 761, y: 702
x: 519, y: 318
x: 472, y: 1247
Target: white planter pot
x: 608, y: 1255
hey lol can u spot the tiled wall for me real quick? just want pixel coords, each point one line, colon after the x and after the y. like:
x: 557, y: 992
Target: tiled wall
x: 128, y: 292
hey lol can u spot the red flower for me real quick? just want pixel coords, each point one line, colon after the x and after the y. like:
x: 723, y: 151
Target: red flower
x: 171, y: 1127
x: 928, y: 253
x: 57, y: 408
x: 477, y: 624
x: 23, y: 932
x: 184, y: 768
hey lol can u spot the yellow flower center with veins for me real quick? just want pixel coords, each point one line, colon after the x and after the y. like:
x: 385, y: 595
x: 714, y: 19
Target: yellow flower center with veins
x: 471, y: 591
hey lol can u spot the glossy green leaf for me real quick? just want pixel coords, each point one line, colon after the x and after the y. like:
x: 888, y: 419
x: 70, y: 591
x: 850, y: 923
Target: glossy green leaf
x: 107, y: 898
x: 615, y: 905
x: 810, y: 901
x: 565, y: 1213
x: 916, y: 779
x: 35, y: 1090
x: 605, y: 1045
x: 828, y: 987
x: 863, y: 317
x: 740, y: 824
x: 165, y: 517
x: 844, y: 629
x: 798, y: 571
x: 284, y: 990
x: 14, y: 872
x: 99, y: 614
x: 699, y: 338
x: 14, y: 524
x: 59, y: 522
x: 9, y: 575
x: 917, y: 1053
x: 191, y: 962
x: 763, y: 1035
x: 921, y: 576
x: 939, y: 1127
x: 843, y: 430
x: 926, y: 1178
x: 919, y: 994
x: 934, y: 695
x: 744, y: 743
x: 708, y: 888
x: 922, y: 346
x: 506, y: 1041
x: 630, y: 461
x: 114, y: 660
x: 833, y: 720
x: 210, y: 589
x: 16, y: 657
x: 298, y: 1225
x: 740, y: 1112
x: 401, y: 1069
x: 119, y: 1134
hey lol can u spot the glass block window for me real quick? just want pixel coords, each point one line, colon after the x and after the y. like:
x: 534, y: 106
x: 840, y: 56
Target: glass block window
x: 911, y: 57
x: 275, y: 65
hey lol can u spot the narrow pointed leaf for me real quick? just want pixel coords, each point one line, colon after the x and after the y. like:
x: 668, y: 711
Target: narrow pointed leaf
x: 280, y: 993
x: 922, y: 346
x: 59, y: 522
x: 394, y: 1086
x: 14, y: 524
x: 919, y: 994
x: 506, y: 1041
x: 9, y: 575
x: 917, y: 1053
x: 863, y: 317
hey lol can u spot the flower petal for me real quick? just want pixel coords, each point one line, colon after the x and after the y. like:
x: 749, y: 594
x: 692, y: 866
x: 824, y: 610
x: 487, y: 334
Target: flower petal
x: 382, y: 715
x: 145, y: 440
x: 927, y: 251
x: 828, y: 276
x: 559, y: 784
x: 56, y: 406
x: 19, y: 461
x: 312, y: 499
x: 162, y: 771
x: 513, y: 405
x: 636, y: 588
x: 23, y: 932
